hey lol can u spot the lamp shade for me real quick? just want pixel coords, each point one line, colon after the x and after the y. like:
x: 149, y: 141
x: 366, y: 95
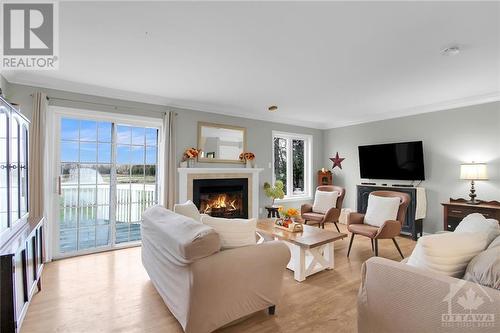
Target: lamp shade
x: 473, y: 171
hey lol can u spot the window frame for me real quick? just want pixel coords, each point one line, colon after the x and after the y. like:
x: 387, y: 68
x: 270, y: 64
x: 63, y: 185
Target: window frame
x: 54, y: 116
x: 308, y: 144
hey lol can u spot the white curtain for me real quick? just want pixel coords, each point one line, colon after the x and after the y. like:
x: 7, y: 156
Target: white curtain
x: 38, y: 170
x: 169, y: 156
x: 36, y: 156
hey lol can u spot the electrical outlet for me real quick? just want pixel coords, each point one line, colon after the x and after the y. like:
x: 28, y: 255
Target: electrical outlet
x: 260, y: 210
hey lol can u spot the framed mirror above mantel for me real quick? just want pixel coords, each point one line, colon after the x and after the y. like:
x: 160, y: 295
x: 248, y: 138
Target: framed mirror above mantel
x: 221, y: 143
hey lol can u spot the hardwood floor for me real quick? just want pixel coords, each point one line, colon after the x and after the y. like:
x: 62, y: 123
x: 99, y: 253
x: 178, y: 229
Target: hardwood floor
x: 111, y: 292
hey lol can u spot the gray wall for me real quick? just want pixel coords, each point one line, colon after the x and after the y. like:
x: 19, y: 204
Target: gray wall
x: 450, y: 137
x: 259, y: 133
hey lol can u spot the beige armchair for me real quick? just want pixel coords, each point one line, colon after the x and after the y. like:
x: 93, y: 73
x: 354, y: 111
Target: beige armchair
x: 389, y: 230
x: 331, y: 216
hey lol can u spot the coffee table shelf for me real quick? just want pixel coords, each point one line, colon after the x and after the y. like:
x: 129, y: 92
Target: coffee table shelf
x: 312, y: 250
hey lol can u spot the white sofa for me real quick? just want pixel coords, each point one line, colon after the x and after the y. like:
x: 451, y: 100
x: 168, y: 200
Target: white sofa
x: 203, y: 287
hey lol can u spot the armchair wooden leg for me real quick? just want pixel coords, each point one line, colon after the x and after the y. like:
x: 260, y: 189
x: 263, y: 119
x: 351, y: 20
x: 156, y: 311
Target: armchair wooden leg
x: 376, y: 247
x: 397, y: 247
x: 323, y: 225
x: 336, y: 226
x: 372, y: 244
x: 350, y: 244
x: 271, y: 310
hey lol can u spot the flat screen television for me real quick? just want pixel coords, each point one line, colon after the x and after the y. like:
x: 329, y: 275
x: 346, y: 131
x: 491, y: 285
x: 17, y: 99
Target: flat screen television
x: 399, y: 161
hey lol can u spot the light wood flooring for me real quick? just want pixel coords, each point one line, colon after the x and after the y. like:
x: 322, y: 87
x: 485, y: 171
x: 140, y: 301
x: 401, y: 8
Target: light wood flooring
x: 111, y: 292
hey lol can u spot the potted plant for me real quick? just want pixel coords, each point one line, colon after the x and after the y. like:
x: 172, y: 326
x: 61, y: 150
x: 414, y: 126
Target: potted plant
x: 274, y: 192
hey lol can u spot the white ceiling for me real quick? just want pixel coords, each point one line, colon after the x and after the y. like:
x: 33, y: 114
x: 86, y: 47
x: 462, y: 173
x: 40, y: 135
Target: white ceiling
x: 325, y: 64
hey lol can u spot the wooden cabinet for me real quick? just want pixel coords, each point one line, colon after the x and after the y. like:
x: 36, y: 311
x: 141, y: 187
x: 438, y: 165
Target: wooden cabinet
x: 21, y: 265
x: 411, y: 225
x: 21, y: 249
x: 14, y: 129
x: 455, y: 210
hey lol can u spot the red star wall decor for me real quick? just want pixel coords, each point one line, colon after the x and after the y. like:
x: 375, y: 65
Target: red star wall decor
x: 337, y: 161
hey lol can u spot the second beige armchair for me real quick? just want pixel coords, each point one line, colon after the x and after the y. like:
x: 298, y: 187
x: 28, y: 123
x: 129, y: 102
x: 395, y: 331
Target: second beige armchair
x: 330, y: 216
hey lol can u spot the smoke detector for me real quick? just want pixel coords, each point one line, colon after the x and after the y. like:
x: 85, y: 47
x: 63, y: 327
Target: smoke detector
x: 451, y: 51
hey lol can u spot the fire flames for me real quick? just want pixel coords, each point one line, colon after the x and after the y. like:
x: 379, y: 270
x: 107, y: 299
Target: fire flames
x: 221, y: 202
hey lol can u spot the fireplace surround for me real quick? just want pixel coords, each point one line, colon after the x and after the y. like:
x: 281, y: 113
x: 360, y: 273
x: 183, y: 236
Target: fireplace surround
x: 226, y: 198
x: 187, y: 176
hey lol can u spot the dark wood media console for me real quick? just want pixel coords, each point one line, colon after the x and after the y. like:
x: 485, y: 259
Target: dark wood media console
x: 411, y: 225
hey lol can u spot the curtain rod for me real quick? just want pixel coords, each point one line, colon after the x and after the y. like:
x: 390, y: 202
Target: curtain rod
x: 116, y: 107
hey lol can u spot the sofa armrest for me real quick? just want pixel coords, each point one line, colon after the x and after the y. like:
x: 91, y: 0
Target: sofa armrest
x: 395, y: 297
x: 234, y: 283
x: 306, y: 208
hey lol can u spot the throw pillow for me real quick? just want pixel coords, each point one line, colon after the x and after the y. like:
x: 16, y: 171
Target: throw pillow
x: 485, y: 268
x: 233, y: 232
x: 188, y: 209
x: 478, y: 223
x: 447, y: 253
x: 381, y: 209
x: 324, y: 200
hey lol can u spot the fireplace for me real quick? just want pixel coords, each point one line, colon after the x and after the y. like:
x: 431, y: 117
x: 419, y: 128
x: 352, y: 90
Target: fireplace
x: 226, y: 197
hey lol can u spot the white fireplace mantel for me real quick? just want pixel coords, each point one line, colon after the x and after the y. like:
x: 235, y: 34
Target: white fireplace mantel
x: 186, y: 176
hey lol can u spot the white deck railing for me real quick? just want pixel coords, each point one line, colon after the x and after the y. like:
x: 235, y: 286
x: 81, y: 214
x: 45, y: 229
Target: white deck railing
x: 131, y: 201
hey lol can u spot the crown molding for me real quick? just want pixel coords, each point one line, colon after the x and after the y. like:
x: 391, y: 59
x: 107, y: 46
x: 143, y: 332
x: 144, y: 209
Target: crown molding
x: 122, y: 95
x: 103, y: 92
x: 428, y: 108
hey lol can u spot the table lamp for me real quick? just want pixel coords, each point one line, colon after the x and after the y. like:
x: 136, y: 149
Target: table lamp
x: 473, y: 171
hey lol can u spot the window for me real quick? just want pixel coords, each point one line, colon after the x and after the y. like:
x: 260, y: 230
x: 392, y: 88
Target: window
x: 292, y: 163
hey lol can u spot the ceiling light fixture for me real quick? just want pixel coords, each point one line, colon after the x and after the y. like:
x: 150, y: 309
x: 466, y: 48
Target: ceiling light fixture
x: 451, y: 51
x: 273, y: 108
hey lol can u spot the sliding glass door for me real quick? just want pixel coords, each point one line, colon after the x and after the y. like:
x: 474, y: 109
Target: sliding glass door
x: 108, y: 177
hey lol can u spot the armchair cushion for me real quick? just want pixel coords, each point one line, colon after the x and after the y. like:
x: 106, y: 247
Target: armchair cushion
x: 313, y: 216
x: 363, y: 229
x: 323, y: 201
x: 381, y: 209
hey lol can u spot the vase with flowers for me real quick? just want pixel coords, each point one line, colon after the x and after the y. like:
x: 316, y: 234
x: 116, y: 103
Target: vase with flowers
x: 190, y: 156
x: 287, y: 215
x: 248, y: 158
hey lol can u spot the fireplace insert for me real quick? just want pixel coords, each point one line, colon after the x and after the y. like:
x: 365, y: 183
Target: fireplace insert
x: 226, y: 198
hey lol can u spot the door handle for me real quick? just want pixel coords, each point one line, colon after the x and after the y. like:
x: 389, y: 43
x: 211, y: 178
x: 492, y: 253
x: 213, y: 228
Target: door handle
x: 59, y: 190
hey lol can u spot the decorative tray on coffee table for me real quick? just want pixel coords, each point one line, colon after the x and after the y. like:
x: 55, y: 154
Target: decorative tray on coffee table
x: 292, y: 227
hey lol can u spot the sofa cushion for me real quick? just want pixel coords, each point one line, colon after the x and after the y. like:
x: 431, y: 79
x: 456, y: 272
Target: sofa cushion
x: 233, y: 232
x: 188, y: 209
x: 447, y: 253
x: 478, y: 223
x: 485, y: 268
x: 381, y: 209
x: 180, y: 238
x: 324, y: 200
